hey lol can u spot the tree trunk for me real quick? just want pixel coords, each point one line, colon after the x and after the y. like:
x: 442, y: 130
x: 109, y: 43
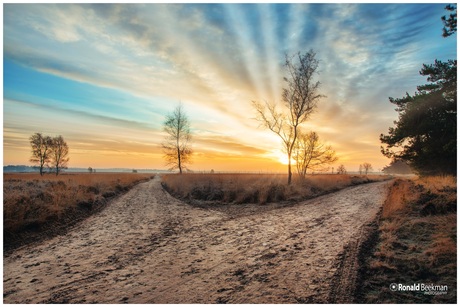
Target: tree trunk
x: 289, y: 170
x: 178, y: 160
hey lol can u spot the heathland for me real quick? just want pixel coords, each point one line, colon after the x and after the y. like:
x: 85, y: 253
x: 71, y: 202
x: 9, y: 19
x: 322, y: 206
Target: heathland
x: 149, y: 247
x: 35, y: 206
x: 329, y: 238
x: 415, y: 242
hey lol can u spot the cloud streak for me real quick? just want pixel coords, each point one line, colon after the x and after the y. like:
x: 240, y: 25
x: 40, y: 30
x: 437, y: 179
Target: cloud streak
x: 216, y: 58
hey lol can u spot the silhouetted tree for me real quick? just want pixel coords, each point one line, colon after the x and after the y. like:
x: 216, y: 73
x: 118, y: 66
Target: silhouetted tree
x: 90, y: 169
x: 41, y: 146
x: 300, y: 97
x: 59, y: 152
x: 366, y: 167
x: 341, y: 169
x: 177, y: 144
x: 450, y: 23
x: 425, y: 135
x: 311, y: 154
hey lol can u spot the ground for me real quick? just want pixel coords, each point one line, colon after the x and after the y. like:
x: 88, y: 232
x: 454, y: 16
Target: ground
x: 148, y: 247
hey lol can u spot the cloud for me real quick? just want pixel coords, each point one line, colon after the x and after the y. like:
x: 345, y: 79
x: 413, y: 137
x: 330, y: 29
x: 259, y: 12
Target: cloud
x: 227, y: 145
x: 217, y: 58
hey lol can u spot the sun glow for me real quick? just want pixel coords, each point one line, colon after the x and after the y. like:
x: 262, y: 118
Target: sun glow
x: 281, y: 157
x: 223, y: 56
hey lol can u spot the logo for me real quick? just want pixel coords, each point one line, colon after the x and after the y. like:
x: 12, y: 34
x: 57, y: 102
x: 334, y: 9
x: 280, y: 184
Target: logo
x: 427, y: 289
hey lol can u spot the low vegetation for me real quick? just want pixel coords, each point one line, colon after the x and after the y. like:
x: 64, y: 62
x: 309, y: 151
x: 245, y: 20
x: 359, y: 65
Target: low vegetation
x: 416, y: 243
x: 256, y: 188
x: 32, y: 203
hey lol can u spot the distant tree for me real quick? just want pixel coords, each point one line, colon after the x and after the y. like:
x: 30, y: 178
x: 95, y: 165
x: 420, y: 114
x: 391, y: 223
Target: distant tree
x: 366, y: 167
x: 450, y: 23
x: 90, y: 169
x: 177, y: 145
x: 397, y: 167
x: 59, y: 152
x: 300, y: 97
x: 41, y: 146
x: 311, y: 154
x: 360, y: 169
x: 341, y: 169
x: 134, y: 171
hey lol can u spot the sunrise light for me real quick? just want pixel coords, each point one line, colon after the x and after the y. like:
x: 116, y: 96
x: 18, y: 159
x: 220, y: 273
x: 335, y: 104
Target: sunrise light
x: 105, y: 75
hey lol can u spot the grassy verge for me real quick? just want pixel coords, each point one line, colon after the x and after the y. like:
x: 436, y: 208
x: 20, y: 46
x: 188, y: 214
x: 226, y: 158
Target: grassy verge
x: 256, y: 188
x: 416, y: 243
x: 34, y: 205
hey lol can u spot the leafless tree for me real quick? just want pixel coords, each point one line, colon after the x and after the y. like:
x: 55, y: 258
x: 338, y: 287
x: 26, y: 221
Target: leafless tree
x: 367, y: 167
x: 311, y: 154
x: 177, y: 145
x: 341, y: 169
x: 300, y: 97
x: 90, y: 169
x: 40, y: 150
x: 59, y: 154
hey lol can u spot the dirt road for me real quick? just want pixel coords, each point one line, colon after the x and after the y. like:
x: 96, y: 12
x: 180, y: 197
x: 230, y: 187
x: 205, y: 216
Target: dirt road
x: 148, y: 247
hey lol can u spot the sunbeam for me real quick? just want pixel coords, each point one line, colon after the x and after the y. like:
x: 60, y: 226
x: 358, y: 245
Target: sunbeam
x: 116, y: 70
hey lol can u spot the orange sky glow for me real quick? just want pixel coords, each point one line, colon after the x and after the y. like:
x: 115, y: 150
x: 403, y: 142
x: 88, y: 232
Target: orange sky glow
x: 104, y: 76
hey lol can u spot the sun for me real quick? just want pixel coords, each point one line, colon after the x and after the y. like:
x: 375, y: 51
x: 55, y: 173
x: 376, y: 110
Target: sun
x: 281, y: 157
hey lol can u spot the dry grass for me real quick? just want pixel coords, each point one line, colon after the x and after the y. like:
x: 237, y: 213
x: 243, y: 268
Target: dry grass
x: 30, y: 200
x: 401, y: 194
x: 417, y: 242
x: 256, y: 188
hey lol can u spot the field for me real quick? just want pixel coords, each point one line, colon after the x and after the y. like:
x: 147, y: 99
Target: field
x: 149, y: 247
x: 238, y: 238
x: 31, y: 202
x: 416, y: 243
x: 256, y: 188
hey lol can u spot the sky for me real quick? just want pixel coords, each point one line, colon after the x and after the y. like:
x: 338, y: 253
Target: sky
x: 104, y: 76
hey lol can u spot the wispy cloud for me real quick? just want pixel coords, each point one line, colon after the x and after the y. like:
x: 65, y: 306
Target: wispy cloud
x: 216, y: 58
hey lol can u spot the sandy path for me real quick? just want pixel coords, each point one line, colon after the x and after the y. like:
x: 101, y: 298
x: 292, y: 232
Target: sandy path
x: 147, y: 247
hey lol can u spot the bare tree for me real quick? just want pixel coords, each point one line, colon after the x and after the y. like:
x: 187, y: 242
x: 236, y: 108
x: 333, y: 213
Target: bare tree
x: 300, y: 97
x: 59, y: 153
x: 310, y: 153
x: 90, y: 169
x: 177, y: 144
x: 367, y: 167
x: 40, y: 150
x: 341, y: 169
